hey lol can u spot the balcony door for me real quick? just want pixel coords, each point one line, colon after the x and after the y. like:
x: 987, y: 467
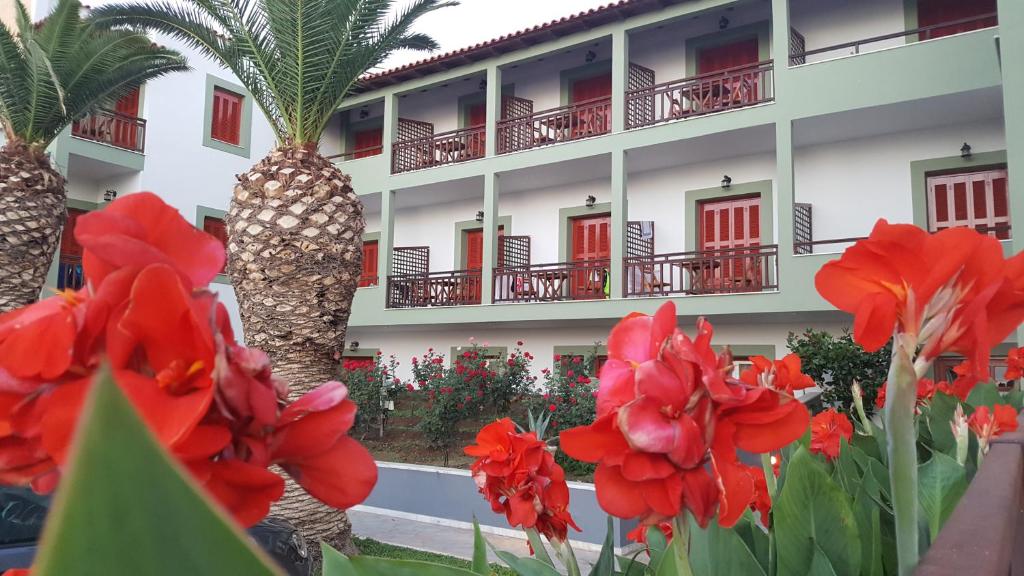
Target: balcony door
x: 726, y: 227
x: 475, y: 259
x: 368, y: 142
x: 592, y: 100
x: 934, y: 12
x: 69, y: 264
x: 591, y: 250
x: 731, y: 89
x: 123, y: 132
x: 476, y: 117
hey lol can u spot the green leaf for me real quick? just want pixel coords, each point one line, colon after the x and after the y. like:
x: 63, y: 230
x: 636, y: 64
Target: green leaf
x: 525, y: 566
x: 986, y: 394
x: 1015, y: 398
x: 870, y: 446
x: 717, y: 551
x: 941, y: 482
x: 667, y: 566
x: 539, y: 551
x: 813, y: 512
x: 369, y: 566
x: 126, y: 508
x: 939, y: 416
x: 845, y: 471
x: 868, y: 514
x: 820, y: 565
x: 656, y: 543
x: 480, y: 565
x: 605, y: 565
x: 335, y: 563
x: 632, y: 565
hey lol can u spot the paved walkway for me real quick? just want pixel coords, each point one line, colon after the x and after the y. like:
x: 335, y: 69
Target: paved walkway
x: 442, y: 539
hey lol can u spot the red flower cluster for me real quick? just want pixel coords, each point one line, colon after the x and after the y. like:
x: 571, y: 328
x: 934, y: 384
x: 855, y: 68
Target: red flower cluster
x: 214, y: 404
x: 783, y: 375
x: 827, y: 430
x: 1014, y: 364
x: 926, y: 389
x: 951, y: 291
x: 519, y: 477
x: 670, y: 419
x: 988, y: 424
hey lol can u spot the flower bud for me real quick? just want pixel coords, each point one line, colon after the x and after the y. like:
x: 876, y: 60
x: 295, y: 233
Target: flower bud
x: 858, y: 404
x: 960, y: 434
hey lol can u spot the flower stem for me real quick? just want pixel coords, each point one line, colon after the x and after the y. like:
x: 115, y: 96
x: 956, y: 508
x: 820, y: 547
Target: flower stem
x: 769, y: 476
x: 681, y: 544
x: 899, y: 423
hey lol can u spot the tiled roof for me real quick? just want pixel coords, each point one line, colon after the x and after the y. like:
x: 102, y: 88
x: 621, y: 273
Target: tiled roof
x: 555, y: 29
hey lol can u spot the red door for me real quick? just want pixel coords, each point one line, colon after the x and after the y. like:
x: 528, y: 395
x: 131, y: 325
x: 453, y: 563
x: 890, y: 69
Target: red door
x: 124, y: 132
x: 475, y: 259
x: 591, y: 250
x: 592, y: 97
x: 477, y: 118
x: 368, y: 142
x: 69, y: 266
x: 737, y: 87
x: 369, y: 277
x: 218, y: 229
x: 932, y: 12
x: 726, y: 226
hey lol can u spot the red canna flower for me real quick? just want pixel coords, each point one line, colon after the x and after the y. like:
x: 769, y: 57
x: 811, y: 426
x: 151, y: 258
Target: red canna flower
x: 670, y: 420
x: 988, y: 424
x: 926, y: 389
x: 1014, y: 364
x: 215, y: 405
x: 949, y: 291
x: 827, y: 428
x: 783, y: 375
x: 517, y: 474
x: 639, y: 534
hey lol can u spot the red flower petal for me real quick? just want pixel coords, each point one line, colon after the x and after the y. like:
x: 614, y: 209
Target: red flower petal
x: 340, y: 477
x: 616, y: 495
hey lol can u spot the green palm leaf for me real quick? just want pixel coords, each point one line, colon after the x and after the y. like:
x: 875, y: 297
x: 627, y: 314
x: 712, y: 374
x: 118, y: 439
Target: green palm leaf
x: 298, y: 58
x: 57, y: 71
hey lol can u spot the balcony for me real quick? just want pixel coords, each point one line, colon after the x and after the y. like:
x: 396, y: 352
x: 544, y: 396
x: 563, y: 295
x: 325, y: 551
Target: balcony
x: 724, y: 271
x: 561, y: 124
x: 427, y: 289
x: 439, y: 149
x: 561, y: 281
x: 112, y: 128
x: 718, y: 91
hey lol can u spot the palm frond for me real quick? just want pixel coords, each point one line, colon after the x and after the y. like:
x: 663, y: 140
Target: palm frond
x: 54, y: 73
x: 298, y: 58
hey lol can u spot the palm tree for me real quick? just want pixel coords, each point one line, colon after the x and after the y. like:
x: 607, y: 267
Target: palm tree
x: 51, y: 74
x: 295, y: 225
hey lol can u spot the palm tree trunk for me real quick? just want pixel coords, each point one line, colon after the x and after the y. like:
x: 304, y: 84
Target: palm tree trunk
x: 32, y: 213
x: 295, y: 232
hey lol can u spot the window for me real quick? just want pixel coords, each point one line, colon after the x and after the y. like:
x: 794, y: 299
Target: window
x: 976, y: 199
x: 369, y: 277
x: 368, y: 142
x: 226, y: 124
x: 215, y: 227
x: 69, y: 264
x: 965, y: 15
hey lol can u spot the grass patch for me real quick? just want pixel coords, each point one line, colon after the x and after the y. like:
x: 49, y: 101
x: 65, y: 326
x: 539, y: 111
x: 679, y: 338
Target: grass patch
x: 370, y: 547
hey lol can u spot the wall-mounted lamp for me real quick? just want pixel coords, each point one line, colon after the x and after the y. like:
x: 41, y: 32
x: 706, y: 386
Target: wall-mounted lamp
x: 965, y: 150
x: 480, y: 216
x: 726, y: 181
x: 363, y: 113
x: 109, y: 195
x: 590, y: 56
x: 591, y: 201
x: 353, y: 345
x: 483, y: 84
x: 723, y: 23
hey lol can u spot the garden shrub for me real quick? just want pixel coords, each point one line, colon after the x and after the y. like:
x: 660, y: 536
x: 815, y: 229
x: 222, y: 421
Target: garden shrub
x: 836, y: 363
x: 454, y: 393
x: 374, y: 389
x: 569, y: 397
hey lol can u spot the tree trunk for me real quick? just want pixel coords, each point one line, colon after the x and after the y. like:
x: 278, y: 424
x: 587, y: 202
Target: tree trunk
x: 32, y: 213
x: 295, y: 232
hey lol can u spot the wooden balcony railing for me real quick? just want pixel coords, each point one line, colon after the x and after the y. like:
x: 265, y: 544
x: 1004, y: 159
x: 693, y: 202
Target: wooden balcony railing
x: 452, y: 288
x: 923, y: 33
x: 358, y: 153
x: 713, y: 92
x: 999, y: 231
x: 725, y: 271
x: 112, y: 128
x: 440, y: 149
x: 69, y: 273
x: 562, y: 124
x: 586, y: 280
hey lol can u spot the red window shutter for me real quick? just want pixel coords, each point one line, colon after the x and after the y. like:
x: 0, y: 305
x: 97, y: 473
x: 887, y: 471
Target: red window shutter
x: 226, y: 124
x: 591, y: 88
x: 215, y: 227
x: 1000, y: 207
x: 973, y: 199
x: 369, y: 277
x: 934, y: 12
x: 368, y: 142
x: 730, y: 223
x: 727, y: 56
x: 474, y: 249
x: 68, y: 245
x: 755, y: 223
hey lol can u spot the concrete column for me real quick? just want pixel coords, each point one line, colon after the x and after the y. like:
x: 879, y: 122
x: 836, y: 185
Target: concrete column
x: 493, y: 109
x: 492, y: 188
x: 386, y: 243
x: 390, y: 128
x: 620, y: 216
x: 1011, y: 59
x: 784, y: 194
x: 780, y: 47
x: 620, y: 74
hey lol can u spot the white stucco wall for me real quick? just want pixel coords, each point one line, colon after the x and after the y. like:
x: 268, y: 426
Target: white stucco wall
x: 830, y: 22
x: 852, y: 183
